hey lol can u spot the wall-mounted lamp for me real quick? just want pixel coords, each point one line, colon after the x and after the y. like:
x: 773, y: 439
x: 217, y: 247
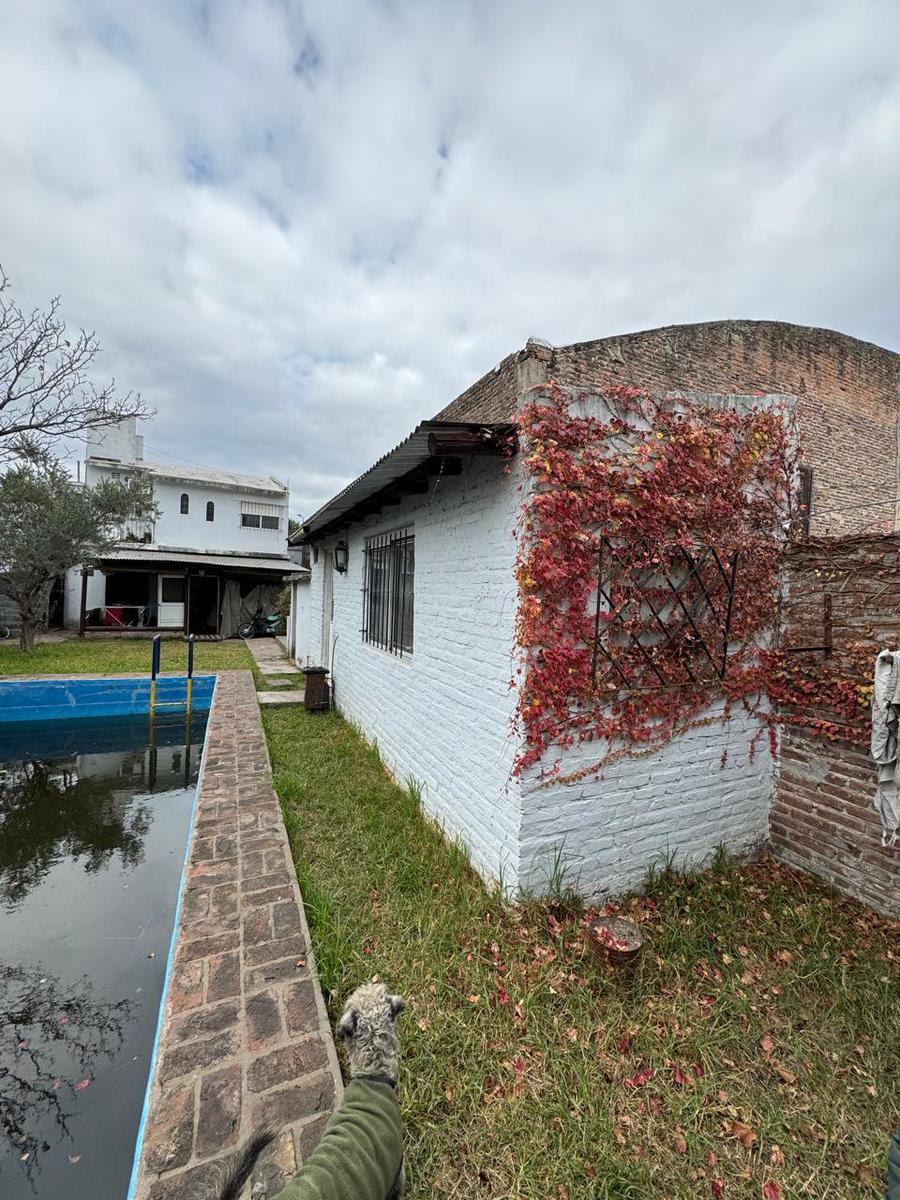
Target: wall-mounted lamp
x: 341, y: 557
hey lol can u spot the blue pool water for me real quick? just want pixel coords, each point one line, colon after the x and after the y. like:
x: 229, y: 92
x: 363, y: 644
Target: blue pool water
x: 95, y: 815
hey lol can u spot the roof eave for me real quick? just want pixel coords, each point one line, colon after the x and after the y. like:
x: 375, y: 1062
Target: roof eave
x: 430, y: 445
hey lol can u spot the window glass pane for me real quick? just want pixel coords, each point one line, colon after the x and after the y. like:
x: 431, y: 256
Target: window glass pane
x: 210, y: 511
x: 173, y: 589
x: 250, y: 520
x: 270, y: 522
x: 184, y: 502
x: 409, y: 560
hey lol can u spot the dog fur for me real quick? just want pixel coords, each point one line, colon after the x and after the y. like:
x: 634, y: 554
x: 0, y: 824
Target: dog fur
x: 368, y: 1030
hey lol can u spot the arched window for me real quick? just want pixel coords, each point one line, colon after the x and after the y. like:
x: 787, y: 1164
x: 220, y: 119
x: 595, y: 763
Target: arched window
x: 184, y: 503
x: 210, y: 511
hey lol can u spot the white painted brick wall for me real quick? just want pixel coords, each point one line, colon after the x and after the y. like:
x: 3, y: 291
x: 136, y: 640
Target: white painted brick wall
x: 678, y: 800
x: 442, y: 715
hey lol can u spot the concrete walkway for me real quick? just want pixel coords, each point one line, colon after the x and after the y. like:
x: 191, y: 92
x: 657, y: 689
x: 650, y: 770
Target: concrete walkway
x: 272, y: 660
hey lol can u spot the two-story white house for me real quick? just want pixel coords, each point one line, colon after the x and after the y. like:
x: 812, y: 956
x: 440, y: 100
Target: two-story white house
x: 216, y: 550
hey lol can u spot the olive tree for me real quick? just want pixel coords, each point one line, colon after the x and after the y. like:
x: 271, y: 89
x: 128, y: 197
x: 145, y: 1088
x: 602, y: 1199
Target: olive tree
x: 49, y: 523
x: 46, y: 388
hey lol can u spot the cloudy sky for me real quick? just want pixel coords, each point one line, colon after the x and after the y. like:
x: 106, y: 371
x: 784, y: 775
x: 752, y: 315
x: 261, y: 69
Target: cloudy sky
x: 298, y: 228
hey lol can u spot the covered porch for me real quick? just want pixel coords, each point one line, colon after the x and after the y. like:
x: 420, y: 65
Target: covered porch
x: 206, y: 595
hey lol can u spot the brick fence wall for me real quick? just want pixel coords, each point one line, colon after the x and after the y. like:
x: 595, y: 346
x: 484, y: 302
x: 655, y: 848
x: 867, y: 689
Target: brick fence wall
x: 822, y: 818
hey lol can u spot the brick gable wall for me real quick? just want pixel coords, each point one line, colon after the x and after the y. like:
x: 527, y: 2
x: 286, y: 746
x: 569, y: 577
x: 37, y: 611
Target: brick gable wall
x: 848, y: 392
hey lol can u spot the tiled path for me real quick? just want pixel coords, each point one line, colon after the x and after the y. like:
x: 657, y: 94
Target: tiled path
x: 270, y: 657
x: 272, y: 660
x: 246, y: 1040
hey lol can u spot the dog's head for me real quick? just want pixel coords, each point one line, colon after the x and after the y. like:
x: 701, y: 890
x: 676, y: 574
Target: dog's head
x: 369, y: 1032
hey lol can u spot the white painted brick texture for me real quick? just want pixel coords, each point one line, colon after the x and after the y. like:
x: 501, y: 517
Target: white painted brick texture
x: 678, y: 800
x: 441, y: 716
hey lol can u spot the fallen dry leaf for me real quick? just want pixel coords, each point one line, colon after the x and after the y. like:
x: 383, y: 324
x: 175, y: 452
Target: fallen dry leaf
x: 717, y: 1187
x: 82, y: 1084
x: 638, y: 1080
x: 744, y: 1134
x: 784, y: 1075
x: 448, y: 1093
x: 473, y: 999
x: 572, y: 1034
x: 711, y: 1158
x: 74, y: 1158
x: 776, y: 1156
x: 771, y: 1191
x: 767, y: 1044
x: 679, y: 1142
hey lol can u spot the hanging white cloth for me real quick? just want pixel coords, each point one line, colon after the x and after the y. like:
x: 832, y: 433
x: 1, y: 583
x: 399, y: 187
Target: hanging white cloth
x: 885, y: 724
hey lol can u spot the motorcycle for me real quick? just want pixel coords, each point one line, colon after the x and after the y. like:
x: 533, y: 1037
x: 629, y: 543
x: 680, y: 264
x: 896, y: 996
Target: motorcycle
x: 261, y: 625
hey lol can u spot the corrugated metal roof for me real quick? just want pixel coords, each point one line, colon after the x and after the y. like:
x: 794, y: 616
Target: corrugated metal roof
x: 252, y: 483
x: 240, y: 562
x: 412, y: 452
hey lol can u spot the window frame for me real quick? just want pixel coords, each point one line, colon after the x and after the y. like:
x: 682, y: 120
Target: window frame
x: 210, y: 510
x: 388, y: 592
x: 805, y: 497
x: 184, y: 504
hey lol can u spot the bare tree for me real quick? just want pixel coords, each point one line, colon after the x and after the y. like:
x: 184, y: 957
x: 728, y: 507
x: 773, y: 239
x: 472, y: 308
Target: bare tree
x: 46, y: 392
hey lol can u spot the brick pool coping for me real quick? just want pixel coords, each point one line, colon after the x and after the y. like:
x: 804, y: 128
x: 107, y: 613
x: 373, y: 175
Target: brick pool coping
x: 245, y: 1040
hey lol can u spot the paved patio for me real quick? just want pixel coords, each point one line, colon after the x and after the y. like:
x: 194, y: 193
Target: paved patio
x: 246, y: 1040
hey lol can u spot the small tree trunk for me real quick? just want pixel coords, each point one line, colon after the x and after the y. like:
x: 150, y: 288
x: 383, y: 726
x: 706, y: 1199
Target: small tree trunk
x: 26, y: 632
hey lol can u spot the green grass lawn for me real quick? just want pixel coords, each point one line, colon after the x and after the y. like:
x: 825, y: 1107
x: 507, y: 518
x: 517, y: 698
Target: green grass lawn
x: 118, y: 655
x: 755, y: 1052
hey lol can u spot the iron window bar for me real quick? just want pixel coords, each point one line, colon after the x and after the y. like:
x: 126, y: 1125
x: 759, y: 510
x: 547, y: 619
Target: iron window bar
x: 388, y: 591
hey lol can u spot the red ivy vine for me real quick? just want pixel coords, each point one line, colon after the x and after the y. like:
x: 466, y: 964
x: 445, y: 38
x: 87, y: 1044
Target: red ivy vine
x: 658, y: 478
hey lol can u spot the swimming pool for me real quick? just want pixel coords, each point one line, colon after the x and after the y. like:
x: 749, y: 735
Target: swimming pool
x: 95, y: 816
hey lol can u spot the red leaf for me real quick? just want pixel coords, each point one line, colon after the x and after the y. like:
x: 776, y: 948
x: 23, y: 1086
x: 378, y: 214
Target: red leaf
x: 636, y: 1081
x: 771, y: 1191
x: 717, y: 1187
x: 82, y: 1084
x: 502, y: 996
x: 624, y: 1043
x: 680, y: 1077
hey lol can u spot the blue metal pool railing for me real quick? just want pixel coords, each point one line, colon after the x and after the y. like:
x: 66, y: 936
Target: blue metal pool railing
x: 155, y: 662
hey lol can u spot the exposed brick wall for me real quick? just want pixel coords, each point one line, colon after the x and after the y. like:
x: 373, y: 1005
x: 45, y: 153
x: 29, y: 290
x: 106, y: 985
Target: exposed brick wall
x: 490, y: 398
x: 847, y: 389
x: 822, y: 819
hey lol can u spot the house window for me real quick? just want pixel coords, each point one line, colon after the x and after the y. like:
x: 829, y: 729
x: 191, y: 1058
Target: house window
x: 804, y: 499
x: 256, y: 515
x: 185, y: 504
x: 172, y: 589
x: 389, y: 591
x: 210, y: 511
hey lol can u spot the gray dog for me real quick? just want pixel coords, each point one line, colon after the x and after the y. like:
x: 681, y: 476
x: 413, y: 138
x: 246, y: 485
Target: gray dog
x: 360, y: 1156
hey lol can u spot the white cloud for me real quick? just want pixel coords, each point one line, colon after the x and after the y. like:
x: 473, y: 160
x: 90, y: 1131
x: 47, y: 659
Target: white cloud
x: 301, y: 230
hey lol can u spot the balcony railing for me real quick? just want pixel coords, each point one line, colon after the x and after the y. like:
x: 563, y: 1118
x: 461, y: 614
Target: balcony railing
x: 137, y: 529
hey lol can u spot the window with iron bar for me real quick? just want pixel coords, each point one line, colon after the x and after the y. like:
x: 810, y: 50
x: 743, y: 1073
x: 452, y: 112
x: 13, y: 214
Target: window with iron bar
x: 388, y: 591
